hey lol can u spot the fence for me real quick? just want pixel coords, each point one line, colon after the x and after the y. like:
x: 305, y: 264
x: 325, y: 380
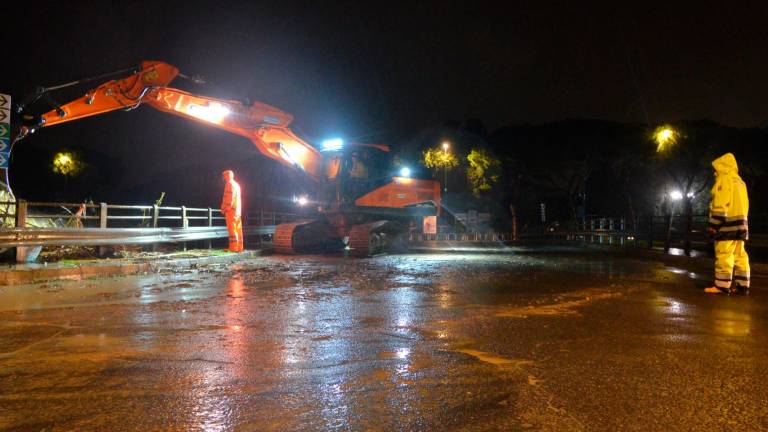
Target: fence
x: 673, y: 233
x: 48, y: 223
x: 54, y: 223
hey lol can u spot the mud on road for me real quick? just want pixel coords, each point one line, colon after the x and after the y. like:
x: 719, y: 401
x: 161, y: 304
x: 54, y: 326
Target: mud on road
x: 536, y: 341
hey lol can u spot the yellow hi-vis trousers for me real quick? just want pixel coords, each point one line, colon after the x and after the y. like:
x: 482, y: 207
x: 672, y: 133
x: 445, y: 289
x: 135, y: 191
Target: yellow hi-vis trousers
x: 731, y: 264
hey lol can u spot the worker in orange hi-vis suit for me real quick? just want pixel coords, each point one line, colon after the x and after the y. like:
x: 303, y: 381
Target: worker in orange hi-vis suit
x: 231, y: 207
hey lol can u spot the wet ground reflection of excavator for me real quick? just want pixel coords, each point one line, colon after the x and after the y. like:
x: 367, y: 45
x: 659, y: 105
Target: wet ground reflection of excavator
x: 361, y: 203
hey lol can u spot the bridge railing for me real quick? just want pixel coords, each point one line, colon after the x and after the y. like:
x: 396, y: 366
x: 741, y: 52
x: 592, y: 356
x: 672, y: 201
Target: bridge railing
x: 31, y: 223
x: 671, y: 233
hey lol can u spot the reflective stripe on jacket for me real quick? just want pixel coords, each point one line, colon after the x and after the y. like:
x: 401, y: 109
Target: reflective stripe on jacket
x: 729, y: 207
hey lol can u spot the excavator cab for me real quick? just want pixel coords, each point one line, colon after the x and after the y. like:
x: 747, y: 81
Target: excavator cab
x: 354, y: 171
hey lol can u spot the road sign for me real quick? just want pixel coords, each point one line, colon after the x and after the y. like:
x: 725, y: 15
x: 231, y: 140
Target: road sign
x: 5, y: 109
x: 430, y: 224
x: 5, y: 130
x: 5, y: 135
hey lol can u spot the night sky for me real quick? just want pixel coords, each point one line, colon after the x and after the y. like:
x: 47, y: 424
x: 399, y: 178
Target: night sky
x: 379, y: 74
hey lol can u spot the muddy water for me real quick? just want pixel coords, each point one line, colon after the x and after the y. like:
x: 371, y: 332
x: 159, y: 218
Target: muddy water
x: 414, y: 342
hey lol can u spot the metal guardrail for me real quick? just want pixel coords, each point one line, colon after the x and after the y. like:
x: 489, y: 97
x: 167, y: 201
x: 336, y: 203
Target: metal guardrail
x: 14, y: 237
x: 115, y: 224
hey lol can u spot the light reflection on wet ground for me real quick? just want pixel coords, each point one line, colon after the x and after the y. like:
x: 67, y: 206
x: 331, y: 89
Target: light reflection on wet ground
x: 550, y: 341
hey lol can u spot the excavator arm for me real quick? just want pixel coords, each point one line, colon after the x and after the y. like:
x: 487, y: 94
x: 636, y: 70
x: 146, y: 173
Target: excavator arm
x: 265, y: 125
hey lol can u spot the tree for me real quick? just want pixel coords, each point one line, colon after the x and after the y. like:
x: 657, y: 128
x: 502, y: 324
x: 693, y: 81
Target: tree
x: 437, y: 159
x: 686, y: 163
x: 483, y: 171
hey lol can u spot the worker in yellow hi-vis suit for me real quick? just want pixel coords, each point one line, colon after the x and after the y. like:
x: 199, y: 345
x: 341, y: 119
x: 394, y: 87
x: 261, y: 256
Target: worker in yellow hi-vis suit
x: 729, y: 227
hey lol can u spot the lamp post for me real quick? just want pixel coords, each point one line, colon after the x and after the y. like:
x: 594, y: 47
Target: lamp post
x: 446, y: 146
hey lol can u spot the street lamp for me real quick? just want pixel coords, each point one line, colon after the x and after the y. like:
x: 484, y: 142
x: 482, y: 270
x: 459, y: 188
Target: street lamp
x: 446, y: 146
x: 665, y: 136
x: 66, y: 164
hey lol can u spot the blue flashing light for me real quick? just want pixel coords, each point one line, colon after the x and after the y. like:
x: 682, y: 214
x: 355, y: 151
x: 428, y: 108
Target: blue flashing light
x: 332, y: 144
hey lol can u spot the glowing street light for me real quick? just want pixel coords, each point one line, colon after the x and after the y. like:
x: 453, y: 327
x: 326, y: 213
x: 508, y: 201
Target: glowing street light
x: 665, y: 136
x: 676, y: 195
x: 64, y: 163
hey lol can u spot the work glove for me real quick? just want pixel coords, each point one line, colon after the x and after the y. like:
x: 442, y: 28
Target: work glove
x: 711, y: 232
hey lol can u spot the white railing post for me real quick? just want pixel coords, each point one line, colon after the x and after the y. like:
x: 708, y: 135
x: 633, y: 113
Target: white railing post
x: 103, y: 208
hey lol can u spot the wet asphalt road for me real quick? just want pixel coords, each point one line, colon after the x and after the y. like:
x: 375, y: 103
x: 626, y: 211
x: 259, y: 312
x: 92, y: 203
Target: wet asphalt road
x: 538, y: 341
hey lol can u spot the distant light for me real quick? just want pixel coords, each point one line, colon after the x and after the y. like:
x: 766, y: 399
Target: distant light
x: 66, y: 164
x: 665, y: 136
x: 213, y: 112
x: 302, y: 200
x: 332, y: 144
x: 405, y: 172
x: 676, y: 195
x: 63, y: 158
x: 689, y: 195
x: 446, y: 145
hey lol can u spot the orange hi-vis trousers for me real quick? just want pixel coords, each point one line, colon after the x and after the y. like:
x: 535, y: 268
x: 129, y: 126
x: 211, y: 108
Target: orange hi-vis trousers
x: 235, y: 228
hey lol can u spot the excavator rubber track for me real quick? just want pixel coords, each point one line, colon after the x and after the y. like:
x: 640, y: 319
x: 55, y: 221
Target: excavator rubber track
x: 305, y: 236
x: 375, y: 238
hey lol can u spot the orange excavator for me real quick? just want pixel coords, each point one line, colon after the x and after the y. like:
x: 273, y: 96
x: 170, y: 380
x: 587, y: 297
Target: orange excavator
x: 361, y: 204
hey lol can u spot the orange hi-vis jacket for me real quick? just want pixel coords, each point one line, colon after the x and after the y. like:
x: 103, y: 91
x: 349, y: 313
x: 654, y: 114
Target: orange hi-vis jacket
x: 231, y: 201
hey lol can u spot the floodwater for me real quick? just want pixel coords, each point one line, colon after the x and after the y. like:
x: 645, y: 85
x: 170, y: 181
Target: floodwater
x: 534, y: 341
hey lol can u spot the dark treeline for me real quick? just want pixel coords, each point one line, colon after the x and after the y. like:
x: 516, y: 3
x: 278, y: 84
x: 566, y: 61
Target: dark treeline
x: 592, y: 167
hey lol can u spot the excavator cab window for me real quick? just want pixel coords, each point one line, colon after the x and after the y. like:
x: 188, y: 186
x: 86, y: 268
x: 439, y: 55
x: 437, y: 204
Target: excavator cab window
x: 358, y: 165
x: 364, y: 169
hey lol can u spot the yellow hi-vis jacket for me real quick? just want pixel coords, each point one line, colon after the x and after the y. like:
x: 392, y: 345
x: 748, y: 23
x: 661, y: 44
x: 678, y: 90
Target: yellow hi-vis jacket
x: 729, y: 206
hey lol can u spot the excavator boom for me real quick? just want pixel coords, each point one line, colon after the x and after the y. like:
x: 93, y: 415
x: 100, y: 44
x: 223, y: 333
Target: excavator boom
x: 265, y: 125
x: 369, y: 211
